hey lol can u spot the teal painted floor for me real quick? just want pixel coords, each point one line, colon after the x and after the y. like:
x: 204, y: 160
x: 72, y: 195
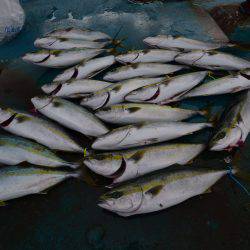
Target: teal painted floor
x: 67, y: 217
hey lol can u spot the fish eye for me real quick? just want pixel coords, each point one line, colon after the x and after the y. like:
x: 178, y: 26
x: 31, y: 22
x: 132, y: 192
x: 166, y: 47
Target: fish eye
x: 221, y: 135
x: 115, y: 194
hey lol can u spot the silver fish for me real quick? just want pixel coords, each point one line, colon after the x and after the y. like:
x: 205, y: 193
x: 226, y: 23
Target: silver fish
x: 181, y: 43
x: 70, y: 115
x: 81, y: 34
x: 228, y: 84
x: 61, y: 59
x: 172, y: 89
x: 160, y: 191
x: 40, y: 130
x: 213, y: 60
x: 116, y: 92
x: 132, y: 113
x: 15, y: 150
x: 126, y: 165
x: 52, y: 43
x: 17, y: 182
x: 144, y: 134
x: 74, y: 88
x: 147, y: 56
x: 86, y: 69
x: 233, y: 127
x: 141, y: 70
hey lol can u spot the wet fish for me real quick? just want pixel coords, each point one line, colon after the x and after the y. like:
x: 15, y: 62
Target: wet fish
x: 81, y: 34
x: 70, y: 115
x: 234, y: 126
x: 86, y: 69
x: 141, y: 70
x: 40, y: 130
x: 17, y: 182
x: 172, y: 89
x: 126, y: 165
x: 116, y: 92
x: 132, y: 113
x: 15, y: 150
x: 213, y: 60
x: 228, y: 84
x: 61, y: 59
x: 52, y: 43
x: 180, y: 43
x: 74, y: 88
x: 160, y: 191
x: 145, y: 134
x: 147, y: 56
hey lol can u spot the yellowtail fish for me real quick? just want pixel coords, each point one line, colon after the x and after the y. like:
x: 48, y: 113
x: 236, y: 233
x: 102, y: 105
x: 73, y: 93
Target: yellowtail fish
x: 15, y: 150
x: 234, y: 125
x: 125, y: 165
x: 181, y: 43
x: 61, y: 59
x: 74, y: 88
x: 213, y: 60
x: 147, y: 56
x: 141, y: 70
x: 132, y: 113
x: 145, y: 134
x: 17, y: 182
x: 86, y: 69
x: 70, y: 115
x: 40, y: 130
x: 160, y: 191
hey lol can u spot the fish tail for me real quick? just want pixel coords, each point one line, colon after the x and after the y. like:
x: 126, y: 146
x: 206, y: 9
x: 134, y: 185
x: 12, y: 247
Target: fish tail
x: 2, y: 203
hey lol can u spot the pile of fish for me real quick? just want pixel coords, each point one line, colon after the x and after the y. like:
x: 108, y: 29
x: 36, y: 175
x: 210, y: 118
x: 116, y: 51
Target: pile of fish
x: 129, y: 116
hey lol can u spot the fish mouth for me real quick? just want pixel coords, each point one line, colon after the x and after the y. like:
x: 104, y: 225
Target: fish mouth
x: 155, y: 95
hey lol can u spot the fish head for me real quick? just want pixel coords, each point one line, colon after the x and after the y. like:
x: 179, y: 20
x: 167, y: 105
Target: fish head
x: 190, y: 57
x: 126, y: 199
x: 52, y: 88
x: 105, y: 164
x: 226, y: 139
x: 96, y: 100
x: 44, y: 42
x: 40, y: 102
x: 5, y: 114
x: 156, y: 40
x: 36, y: 57
x: 147, y: 93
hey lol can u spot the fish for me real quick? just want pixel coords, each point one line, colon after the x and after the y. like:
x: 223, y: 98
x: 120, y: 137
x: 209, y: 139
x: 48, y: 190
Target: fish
x: 52, y: 43
x: 134, y: 113
x: 229, y: 84
x: 70, y: 115
x: 147, y: 56
x: 74, y: 88
x: 141, y: 70
x: 145, y: 134
x: 37, y: 129
x: 234, y: 125
x: 61, y: 59
x: 116, y: 92
x: 15, y: 150
x: 181, y: 43
x: 86, y: 69
x: 16, y: 182
x: 80, y: 34
x: 213, y: 60
x: 170, y: 90
x: 130, y: 164
x: 160, y: 191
